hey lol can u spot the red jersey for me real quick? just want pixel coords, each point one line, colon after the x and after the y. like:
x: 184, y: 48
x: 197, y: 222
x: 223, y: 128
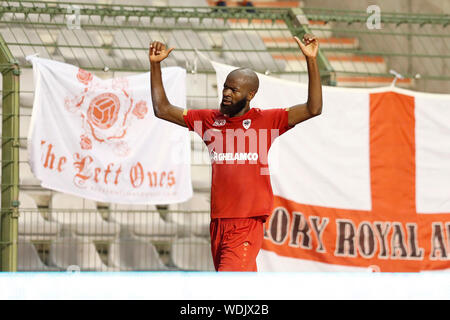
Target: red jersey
x: 238, y: 148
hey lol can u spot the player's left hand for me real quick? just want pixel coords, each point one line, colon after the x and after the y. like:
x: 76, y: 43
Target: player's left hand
x: 309, y: 46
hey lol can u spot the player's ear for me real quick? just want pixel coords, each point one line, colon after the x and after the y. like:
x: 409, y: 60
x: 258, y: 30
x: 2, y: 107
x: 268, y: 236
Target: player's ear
x: 251, y: 95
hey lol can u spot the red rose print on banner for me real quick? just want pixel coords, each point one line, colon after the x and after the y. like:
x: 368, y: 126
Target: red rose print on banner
x: 140, y: 110
x: 84, y: 76
x: 85, y: 142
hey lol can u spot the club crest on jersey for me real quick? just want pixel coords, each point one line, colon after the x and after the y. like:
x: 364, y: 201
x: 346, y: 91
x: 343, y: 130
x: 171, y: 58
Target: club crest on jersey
x: 246, y: 123
x: 219, y: 122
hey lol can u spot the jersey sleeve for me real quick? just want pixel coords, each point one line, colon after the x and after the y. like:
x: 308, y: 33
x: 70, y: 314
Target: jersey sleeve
x: 278, y: 119
x: 195, y: 120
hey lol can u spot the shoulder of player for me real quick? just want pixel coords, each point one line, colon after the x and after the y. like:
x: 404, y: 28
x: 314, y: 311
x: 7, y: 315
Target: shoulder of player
x: 201, y: 112
x: 271, y: 112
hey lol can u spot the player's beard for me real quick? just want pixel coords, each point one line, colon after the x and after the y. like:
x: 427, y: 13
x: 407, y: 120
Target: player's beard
x: 233, y: 109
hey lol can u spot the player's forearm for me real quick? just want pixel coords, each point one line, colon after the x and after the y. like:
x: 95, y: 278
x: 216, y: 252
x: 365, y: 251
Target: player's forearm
x: 159, y: 98
x: 314, y: 103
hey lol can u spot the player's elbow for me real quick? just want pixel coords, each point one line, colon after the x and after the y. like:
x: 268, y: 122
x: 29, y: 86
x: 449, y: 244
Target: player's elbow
x: 315, y: 110
x: 161, y: 115
x: 159, y: 111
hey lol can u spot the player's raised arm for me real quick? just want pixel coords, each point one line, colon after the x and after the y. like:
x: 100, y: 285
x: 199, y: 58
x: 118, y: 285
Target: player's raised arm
x: 161, y: 105
x: 313, y: 107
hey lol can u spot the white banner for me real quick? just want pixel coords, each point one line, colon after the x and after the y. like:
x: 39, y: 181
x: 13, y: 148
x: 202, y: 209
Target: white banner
x: 364, y: 186
x: 99, y: 139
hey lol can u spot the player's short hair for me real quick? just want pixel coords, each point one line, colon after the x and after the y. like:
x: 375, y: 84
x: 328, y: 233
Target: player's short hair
x: 250, y: 75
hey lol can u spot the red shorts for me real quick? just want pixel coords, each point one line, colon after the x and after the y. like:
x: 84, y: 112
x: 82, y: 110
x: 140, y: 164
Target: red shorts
x: 235, y: 243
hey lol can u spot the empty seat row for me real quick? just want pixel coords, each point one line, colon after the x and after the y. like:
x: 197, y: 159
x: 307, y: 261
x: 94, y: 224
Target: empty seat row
x: 32, y: 225
x: 127, y: 47
x: 126, y: 254
x: 73, y: 216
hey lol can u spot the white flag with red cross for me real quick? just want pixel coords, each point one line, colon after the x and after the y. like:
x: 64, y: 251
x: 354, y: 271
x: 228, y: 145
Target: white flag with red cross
x: 99, y: 139
x: 363, y: 186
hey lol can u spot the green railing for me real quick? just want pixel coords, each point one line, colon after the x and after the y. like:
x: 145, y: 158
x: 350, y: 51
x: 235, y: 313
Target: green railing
x: 10, y: 159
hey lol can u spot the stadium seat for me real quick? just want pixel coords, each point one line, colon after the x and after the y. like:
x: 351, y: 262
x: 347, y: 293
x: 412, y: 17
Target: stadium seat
x: 339, y: 63
x: 27, y: 178
x: 196, y: 142
x: 140, y: 41
x: 129, y: 38
x: 164, y: 209
x: 129, y: 254
x: 43, y: 37
x: 134, y: 3
x: 190, y: 3
x: 192, y: 254
x: 48, y: 37
x: 200, y: 164
x: 84, y: 57
x: 28, y: 258
x: 213, y: 38
x: 259, y: 61
x: 322, y: 29
x: 378, y: 81
x: 80, y: 217
x: 190, y: 40
x: 23, y: 155
x: 23, y: 36
x: 297, y: 77
x: 25, y: 121
x: 200, y: 157
x: 142, y: 221
x: 354, y: 63
x: 68, y: 252
x: 201, y: 177
x: 200, y: 153
x: 263, y: 3
x: 26, y: 90
x: 194, y: 216
x: 32, y: 226
x: 202, y: 85
x: 202, y: 102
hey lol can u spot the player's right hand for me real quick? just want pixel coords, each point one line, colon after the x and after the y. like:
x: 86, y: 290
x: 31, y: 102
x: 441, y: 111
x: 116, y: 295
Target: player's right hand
x: 158, y: 52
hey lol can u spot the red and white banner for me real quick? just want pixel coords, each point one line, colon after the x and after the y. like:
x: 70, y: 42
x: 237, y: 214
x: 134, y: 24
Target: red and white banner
x: 99, y: 139
x: 364, y: 186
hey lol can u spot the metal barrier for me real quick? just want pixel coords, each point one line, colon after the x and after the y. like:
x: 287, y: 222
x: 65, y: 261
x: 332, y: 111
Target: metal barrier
x: 111, y: 40
x: 10, y: 158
